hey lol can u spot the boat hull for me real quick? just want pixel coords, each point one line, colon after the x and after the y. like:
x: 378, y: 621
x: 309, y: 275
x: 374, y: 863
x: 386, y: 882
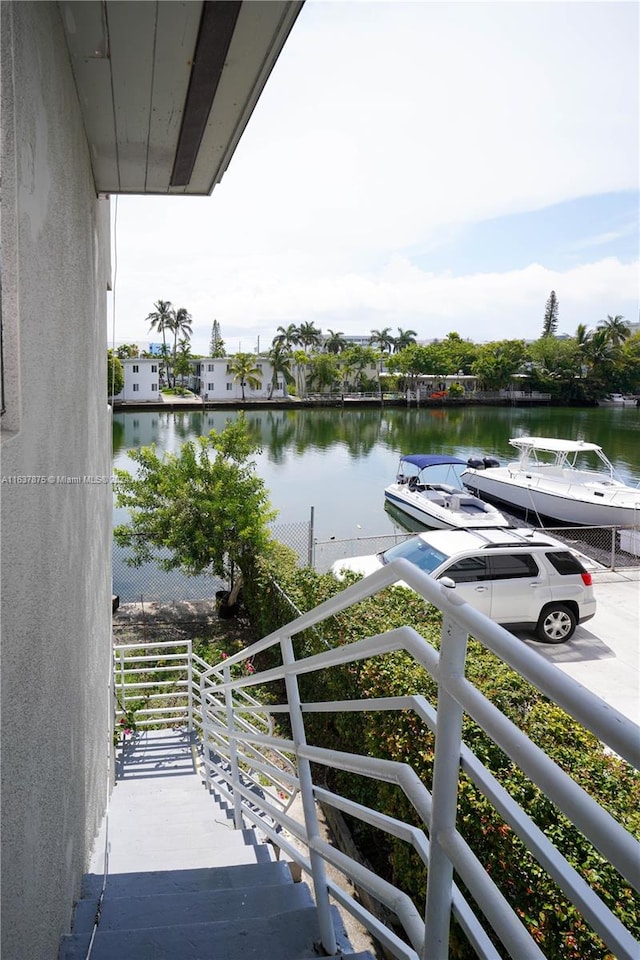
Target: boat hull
x: 593, y: 506
x: 420, y: 508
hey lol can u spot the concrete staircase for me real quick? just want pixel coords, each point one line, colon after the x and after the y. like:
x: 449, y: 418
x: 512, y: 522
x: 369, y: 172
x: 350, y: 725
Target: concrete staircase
x: 181, y: 883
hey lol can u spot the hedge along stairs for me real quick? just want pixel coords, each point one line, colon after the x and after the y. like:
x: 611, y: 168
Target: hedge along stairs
x: 170, y: 878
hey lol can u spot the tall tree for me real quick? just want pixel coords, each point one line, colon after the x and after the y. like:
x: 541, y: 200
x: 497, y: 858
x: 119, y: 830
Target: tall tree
x: 280, y: 360
x: 287, y: 337
x: 309, y: 335
x: 161, y: 320
x: 335, y: 341
x: 383, y: 338
x: 244, y: 370
x: 616, y: 329
x: 404, y: 339
x: 181, y: 325
x: 182, y: 363
x: 550, y: 322
x: 216, y: 344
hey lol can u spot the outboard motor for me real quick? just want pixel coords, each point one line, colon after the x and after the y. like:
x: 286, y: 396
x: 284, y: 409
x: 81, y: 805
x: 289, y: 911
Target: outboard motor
x: 475, y: 463
x: 490, y: 462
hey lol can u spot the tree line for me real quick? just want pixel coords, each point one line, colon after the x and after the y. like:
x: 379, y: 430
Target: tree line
x: 573, y: 369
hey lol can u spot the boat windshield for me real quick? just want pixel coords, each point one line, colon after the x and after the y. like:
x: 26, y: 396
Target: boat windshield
x: 417, y: 551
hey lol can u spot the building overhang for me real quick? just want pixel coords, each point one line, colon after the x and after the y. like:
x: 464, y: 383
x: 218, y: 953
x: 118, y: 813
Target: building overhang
x: 166, y: 88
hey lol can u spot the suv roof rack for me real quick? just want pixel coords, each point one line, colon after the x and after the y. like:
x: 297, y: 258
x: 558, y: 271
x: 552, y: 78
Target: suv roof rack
x: 520, y: 538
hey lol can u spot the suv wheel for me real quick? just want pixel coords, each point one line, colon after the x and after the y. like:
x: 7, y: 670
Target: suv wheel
x: 556, y: 624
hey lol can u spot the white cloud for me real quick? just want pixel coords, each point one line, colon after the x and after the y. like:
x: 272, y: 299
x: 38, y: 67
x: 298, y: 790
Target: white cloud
x: 383, y: 125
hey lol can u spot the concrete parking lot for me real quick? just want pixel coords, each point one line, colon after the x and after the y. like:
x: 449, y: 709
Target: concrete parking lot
x: 604, y: 653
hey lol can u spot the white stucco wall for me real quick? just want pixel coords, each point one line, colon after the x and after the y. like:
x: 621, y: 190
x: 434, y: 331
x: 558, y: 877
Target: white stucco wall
x: 217, y: 383
x: 56, y: 564
x: 139, y: 373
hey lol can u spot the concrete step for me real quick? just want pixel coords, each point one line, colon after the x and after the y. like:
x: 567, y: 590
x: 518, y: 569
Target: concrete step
x: 293, y: 937
x: 140, y: 912
x: 160, y: 882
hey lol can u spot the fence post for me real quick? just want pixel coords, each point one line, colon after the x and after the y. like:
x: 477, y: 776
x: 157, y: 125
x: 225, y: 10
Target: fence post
x: 613, y: 548
x: 310, y: 547
x: 444, y: 805
x: 325, y: 922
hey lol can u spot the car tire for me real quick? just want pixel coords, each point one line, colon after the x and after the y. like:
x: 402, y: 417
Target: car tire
x: 557, y: 624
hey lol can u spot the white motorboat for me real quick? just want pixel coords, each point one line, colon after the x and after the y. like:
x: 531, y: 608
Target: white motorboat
x: 435, y: 504
x: 618, y: 399
x: 568, y: 480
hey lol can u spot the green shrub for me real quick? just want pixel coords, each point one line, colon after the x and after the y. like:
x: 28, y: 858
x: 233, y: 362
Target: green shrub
x: 555, y: 924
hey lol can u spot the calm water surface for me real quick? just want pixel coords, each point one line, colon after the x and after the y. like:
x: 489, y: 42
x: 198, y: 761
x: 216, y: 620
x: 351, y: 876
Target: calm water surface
x: 339, y: 461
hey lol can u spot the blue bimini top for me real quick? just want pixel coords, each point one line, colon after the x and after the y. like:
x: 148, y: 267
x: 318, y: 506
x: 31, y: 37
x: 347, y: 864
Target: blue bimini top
x: 422, y: 460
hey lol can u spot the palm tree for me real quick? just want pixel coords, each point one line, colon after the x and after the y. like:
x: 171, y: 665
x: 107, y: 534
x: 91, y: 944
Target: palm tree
x: 181, y: 324
x: 309, y: 335
x: 182, y: 363
x: 617, y: 330
x: 287, y: 337
x: 335, y: 342
x: 583, y: 335
x: 280, y: 360
x: 383, y: 338
x: 162, y: 320
x: 244, y: 369
x: 404, y: 339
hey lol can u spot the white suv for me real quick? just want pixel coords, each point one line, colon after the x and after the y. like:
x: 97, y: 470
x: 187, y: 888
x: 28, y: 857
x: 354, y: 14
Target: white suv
x: 522, y: 579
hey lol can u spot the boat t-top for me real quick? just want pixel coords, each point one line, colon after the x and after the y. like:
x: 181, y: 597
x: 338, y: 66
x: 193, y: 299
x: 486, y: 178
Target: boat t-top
x: 444, y: 505
x: 568, y: 480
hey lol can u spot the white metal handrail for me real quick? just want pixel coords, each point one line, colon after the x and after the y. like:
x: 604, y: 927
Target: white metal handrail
x: 445, y: 848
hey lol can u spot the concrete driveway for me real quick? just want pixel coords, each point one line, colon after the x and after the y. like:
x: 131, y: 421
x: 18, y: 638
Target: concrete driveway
x: 604, y: 653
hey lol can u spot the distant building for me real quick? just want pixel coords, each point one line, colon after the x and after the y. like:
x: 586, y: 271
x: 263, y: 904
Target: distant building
x: 211, y: 379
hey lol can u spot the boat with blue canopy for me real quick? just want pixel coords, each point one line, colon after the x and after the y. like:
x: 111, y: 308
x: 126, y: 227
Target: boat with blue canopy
x: 428, y: 488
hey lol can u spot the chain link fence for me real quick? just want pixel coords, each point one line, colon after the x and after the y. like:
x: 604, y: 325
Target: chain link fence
x: 149, y: 582
x: 326, y: 552
x: 612, y: 547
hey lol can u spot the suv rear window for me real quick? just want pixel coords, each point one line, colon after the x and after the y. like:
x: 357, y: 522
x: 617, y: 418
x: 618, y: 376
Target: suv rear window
x: 565, y: 562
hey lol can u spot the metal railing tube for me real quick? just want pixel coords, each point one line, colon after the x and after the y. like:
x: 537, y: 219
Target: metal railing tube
x: 492, y: 903
x: 611, y: 839
x: 189, y: 687
x: 233, y: 752
x: 325, y: 921
x: 444, y: 794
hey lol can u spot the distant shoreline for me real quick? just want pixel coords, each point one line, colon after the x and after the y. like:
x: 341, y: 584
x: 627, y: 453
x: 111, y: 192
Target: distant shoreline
x: 293, y: 403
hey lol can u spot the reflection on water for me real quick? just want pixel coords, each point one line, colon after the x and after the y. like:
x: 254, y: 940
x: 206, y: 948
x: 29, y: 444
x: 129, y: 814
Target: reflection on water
x: 339, y: 461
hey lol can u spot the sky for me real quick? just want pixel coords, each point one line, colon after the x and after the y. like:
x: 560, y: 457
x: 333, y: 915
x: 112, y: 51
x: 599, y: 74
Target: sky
x: 418, y: 165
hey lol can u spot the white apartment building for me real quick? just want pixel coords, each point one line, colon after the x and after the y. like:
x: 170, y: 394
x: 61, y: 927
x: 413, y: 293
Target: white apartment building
x: 212, y: 379
x: 141, y: 379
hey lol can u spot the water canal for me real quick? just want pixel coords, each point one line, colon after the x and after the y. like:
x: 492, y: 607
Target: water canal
x: 339, y: 461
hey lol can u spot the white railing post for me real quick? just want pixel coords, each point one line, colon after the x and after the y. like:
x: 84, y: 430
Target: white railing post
x: 233, y: 751
x: 446, y: 768
x: 206, y: 726
x: 189, y: 686
x: 123, y: 688
x: 327, y: 931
